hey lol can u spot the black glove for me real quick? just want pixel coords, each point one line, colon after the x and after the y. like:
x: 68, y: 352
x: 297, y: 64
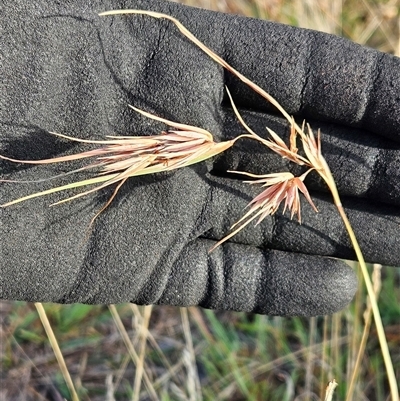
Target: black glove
x: 65, y: 69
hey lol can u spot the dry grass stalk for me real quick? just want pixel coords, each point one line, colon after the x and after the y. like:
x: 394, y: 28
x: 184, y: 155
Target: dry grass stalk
x: 131, y: 350
x: 377, y: 283
x: 57, y: 351
x: 150, y: 338
x: 354, y: 324
x: 189, y: 359
x: 330, y: 390
x: 324, y: 357
x: 144, y: 326
x: 311, y: 357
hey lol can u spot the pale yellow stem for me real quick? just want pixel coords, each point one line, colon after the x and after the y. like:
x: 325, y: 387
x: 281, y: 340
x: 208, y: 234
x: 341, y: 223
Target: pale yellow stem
x: 330, y: 389
x: 131, y: 350
x: 394, y: 390
x: 144, y: 325
x: 364, y: 338
x: 57, y: 351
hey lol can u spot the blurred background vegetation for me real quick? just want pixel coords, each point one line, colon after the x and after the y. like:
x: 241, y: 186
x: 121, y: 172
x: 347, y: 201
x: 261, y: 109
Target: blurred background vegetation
x: 128, y: 352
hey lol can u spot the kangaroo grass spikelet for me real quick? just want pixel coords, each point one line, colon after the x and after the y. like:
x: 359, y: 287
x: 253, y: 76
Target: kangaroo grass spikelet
x: 280, y: 187
x: 122, y: 157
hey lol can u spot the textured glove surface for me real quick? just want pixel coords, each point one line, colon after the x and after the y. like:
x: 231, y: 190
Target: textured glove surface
x: 65, y: 69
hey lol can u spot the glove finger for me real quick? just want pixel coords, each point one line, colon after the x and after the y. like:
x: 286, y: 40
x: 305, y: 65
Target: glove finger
x: 376, y: 225
x: 244, y: 278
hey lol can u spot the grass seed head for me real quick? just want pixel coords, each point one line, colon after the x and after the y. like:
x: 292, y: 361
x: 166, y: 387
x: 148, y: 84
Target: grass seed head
x: 280, y: 187
x: 122, y: 157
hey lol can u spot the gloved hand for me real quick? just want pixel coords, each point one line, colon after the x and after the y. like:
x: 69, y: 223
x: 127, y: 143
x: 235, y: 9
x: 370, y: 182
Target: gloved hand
x: 65, y: 69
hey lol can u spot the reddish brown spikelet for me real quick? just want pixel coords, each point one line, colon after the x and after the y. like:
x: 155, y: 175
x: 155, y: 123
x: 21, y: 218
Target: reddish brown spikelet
x: 280, y: 187
x: 122, y: 157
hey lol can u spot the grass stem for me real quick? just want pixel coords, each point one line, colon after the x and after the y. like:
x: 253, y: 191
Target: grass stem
x: 57, y: 351
x: 193, y: 381
x: 142, y: 352
x: 131, y: 350
x: 330, y: 389
x: 394, y: 390
x: 367, y: 325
